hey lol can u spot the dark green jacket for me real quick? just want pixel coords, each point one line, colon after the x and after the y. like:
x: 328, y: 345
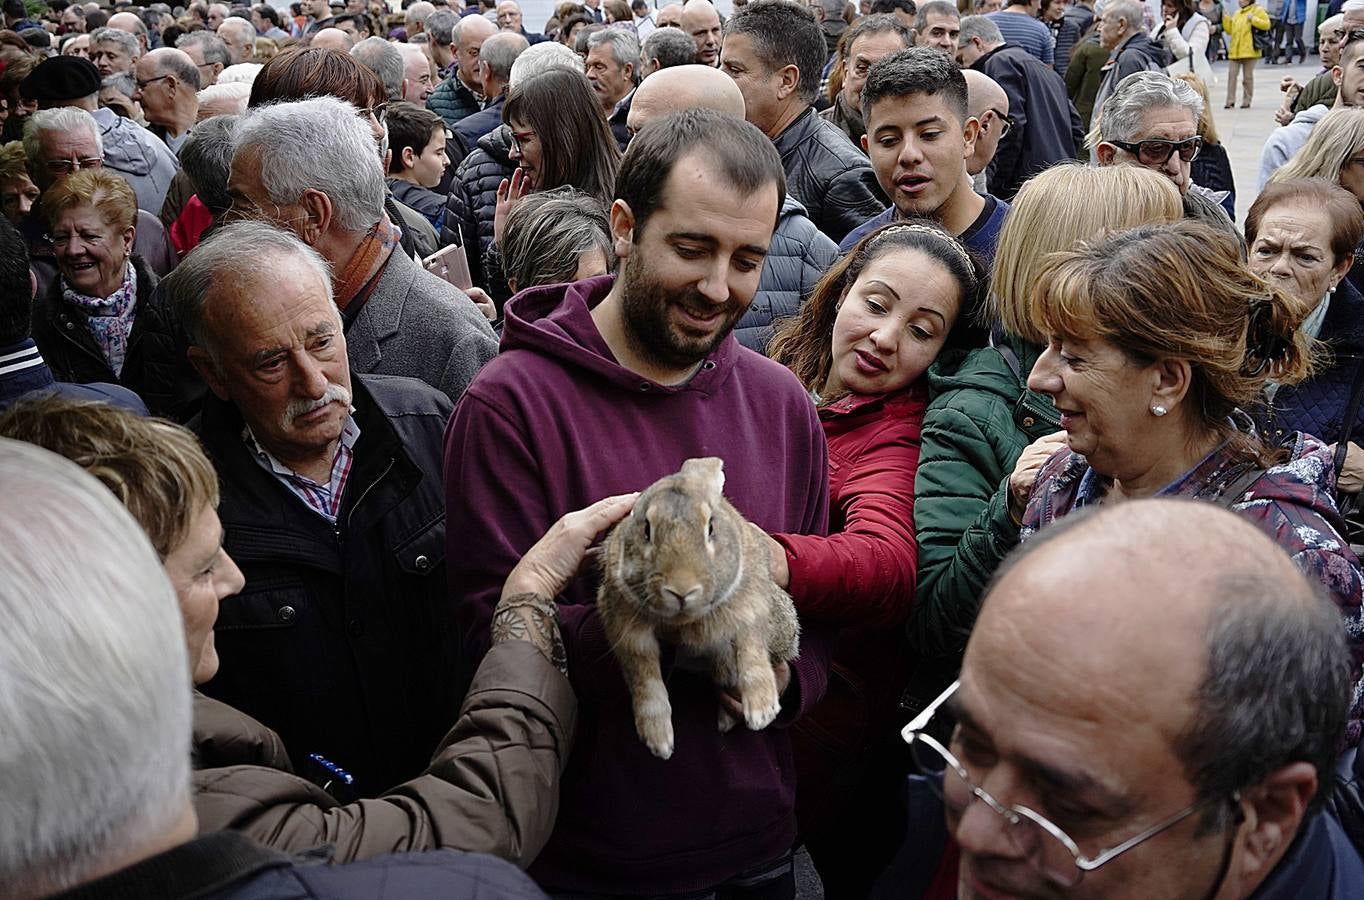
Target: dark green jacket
x: 972, y: 437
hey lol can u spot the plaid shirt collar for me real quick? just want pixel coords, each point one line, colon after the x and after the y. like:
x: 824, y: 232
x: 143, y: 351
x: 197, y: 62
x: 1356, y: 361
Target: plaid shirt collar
x: 323, y: 499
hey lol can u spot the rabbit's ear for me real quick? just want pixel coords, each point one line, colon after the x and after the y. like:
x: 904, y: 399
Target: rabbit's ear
x: 709, y: 472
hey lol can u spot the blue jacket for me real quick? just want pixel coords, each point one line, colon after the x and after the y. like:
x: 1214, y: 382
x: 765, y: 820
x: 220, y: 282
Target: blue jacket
x: 796, y: 259
x: 228, y: 866
x: 24, y: 371
x: 1317, y: 405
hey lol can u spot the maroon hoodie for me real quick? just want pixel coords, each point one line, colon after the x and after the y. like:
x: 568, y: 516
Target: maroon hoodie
x: 554, y: 423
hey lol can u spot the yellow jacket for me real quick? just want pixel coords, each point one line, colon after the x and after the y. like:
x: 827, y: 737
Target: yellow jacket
x: 1238, y: 27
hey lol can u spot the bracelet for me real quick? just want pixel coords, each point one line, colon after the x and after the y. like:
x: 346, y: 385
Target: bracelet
x: 531, y: 618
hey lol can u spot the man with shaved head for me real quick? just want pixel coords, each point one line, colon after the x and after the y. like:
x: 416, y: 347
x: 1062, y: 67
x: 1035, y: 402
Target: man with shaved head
x: 417, y: 81
x: 702, y: 22
x: 168, y: 84
x: 799, y: 253
x: 126, y: 21
x: 1158, y: 683
x: 461, y: 94
x: 332, y: 39
x: 987, y: 103
x: 669, y: 16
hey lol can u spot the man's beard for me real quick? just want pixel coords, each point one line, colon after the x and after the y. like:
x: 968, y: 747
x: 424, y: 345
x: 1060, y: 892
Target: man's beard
x: 645, y: 304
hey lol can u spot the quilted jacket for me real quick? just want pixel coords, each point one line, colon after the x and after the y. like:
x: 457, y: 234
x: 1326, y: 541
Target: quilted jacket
x: 973, y: 433
x: 1317, y: 405
x: 1293, y: 502
x: 826, y: 173
x: 452, y: 101
x: 473, y: 198
x: 796, y: 259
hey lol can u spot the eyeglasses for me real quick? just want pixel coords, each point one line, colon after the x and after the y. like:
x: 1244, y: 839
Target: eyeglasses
x: 1158, y: 153
x: 379, y: 112
x: 66, y: 166
x: 1047, y: 848
x: 520, y: 137
x: 1006, y: 121
x: 142, y: 85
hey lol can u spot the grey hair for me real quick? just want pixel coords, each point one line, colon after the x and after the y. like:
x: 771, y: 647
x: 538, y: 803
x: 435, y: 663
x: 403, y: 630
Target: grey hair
x: 670, y: 47
x: 125, y: 40
x: 94, y: 679
x: 419, y: 12
x: 212, y: 46
x: 542, y: 58
x: 317, y: 144
x: 122, y: 82
x: 934, y: 6
x: 1131, y: 10
x: 833, y: 9
x: 624, y: 46
x: 1123, y: 111
x: 181, y: 66
x: 243, y: 253
x: 61, y: 119
x: 546, y: 233
x: 980, y: 27
x: 441, y: 26
x: 206, y: 158
x: 500, y: 52
x: 384, y: 60
x: 1275, y: 692
x: 235, y: 23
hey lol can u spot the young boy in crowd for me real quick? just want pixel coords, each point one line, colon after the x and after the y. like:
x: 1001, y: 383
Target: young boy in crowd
x: 417, y: 138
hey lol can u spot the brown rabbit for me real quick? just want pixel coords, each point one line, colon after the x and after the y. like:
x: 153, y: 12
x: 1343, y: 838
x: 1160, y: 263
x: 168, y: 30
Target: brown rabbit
x: 684, y: 566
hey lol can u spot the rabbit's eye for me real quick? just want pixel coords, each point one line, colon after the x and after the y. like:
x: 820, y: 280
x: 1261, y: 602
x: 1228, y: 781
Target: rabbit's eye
x: 647, y: 532
x: 710, y: 530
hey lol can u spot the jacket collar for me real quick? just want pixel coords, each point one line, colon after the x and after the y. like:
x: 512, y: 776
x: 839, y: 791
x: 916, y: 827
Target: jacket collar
x: 1321, y: 864
x: 797, y: 132
x: 380, y: 317
x: 197, y: 869
x: 853, y: 404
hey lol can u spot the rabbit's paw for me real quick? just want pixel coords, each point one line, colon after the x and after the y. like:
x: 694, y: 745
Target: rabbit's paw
x: 657, y: 734
x: 761, y: 707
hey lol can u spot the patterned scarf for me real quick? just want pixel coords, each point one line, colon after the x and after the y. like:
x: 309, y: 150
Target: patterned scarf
x: 366, y: 262
x: 110, y: 319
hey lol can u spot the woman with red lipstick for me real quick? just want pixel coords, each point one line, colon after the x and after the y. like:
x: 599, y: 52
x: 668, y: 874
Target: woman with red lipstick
x: 862, y: 344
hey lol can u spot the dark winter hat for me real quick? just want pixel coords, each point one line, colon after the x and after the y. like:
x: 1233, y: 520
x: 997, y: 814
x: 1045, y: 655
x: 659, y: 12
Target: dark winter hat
x: 61, y: 78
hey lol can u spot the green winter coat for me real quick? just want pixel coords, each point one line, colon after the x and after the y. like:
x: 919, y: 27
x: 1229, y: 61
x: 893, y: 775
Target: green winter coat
x: 972, y: 437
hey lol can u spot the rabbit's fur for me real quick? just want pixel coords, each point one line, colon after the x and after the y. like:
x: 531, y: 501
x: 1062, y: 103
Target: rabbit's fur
x: 684, y: 566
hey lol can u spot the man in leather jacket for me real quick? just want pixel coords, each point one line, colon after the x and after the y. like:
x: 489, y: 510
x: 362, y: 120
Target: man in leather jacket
x: 332, y: 507
x: 775, y: 52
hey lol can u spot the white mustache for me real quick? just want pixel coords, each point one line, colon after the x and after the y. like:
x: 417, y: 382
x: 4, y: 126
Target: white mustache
x: 334, y: 393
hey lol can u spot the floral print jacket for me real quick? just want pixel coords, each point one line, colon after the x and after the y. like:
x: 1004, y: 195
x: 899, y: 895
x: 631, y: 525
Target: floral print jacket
x: 1292, y: 501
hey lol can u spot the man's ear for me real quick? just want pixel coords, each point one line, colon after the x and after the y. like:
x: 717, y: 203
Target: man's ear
x: 409, y: 157
x: 622, y: 228
x: 1274, y: 809
x: 790, y: 81
x: 319, y: 215
x: 1106, y: 153
x: 1337, y: 75
x: 970, y: 131
x: 208, y: 370
x: 864, y: 143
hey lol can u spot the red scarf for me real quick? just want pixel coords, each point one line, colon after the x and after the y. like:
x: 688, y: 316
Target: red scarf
x: 365, y: 264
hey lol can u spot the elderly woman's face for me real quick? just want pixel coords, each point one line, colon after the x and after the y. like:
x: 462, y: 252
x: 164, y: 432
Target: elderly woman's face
x: 91, y: 252
x: 202, y: 574
x: 1292, y: 249
x: 1105, y: 402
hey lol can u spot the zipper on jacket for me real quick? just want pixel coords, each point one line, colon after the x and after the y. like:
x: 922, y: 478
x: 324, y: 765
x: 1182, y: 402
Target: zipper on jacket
x: 340, y: 534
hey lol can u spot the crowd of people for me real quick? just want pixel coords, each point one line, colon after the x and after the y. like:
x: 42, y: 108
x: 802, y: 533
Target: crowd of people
x: 321, y: 329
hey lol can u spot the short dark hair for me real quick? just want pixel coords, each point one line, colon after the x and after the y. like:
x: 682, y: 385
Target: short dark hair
x: 410, y: 125
x: 267, y: 12
x: 784, y: 34
x: 875, y: 24
x: 916, y: 70
x: 890, y: 6
x: 16, y: 289
x: 935, y: 6
x: 738, y: 153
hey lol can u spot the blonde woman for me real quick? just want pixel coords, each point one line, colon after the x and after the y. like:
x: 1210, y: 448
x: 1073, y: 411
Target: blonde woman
x: 982, y: 418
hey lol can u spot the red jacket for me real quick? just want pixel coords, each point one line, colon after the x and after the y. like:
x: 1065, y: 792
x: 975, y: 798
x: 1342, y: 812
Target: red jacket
x: 862, y: 576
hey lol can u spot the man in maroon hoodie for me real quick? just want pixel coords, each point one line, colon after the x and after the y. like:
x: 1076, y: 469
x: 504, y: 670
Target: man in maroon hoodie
x: 602, y: 387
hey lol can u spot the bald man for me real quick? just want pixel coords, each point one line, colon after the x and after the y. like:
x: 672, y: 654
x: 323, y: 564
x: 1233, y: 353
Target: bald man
x: 168, y: 85
x: 1156, y: 677
x: 461, y: 94
x: 987, y: 102
x: 702, y: 22
x: 333, y: 39
x: 669, y: 16
x: 126, y: 21
x: 417, y: 81
x: 799, y: 253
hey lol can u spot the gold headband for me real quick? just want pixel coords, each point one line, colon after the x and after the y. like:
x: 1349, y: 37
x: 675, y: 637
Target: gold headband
x: 915, y: 228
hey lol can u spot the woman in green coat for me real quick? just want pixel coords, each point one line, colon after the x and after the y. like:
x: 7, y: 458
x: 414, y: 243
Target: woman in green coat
x: 982, y: 418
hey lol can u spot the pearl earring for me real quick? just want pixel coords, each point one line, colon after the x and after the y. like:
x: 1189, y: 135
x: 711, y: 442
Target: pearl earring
x: 1158, y: 410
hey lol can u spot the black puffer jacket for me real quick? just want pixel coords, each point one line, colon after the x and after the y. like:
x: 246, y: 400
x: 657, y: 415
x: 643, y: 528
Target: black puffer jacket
x: 828, y: 175
x: 796, y: 259
x: 473, y: 198
x: 1317, y: 406
x: 343, y: 639
x: 64, y: 338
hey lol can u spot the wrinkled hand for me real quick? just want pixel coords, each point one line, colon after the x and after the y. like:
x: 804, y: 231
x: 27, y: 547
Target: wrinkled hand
x: 1287, y: 83
x: 1283, y: 115
x: 730, y: 699
x: 552, y: 563
x: 1027, y: 467
x: 781, y: 571
x: 483, y: 302
x: 1351, y: 478
x: 509, y: 193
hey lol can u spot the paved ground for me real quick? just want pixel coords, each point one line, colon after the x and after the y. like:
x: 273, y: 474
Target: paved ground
x: 1243, y: 131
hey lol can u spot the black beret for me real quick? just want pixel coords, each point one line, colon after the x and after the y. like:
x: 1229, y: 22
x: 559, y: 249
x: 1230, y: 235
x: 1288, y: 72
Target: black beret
x: 61, y: 78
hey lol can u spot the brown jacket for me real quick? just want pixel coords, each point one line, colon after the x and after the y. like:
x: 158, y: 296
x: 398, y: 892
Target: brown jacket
x: 492, y: 787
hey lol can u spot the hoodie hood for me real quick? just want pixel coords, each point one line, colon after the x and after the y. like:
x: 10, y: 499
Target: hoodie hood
x: 1152, y: 50
x: 556, y: 321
